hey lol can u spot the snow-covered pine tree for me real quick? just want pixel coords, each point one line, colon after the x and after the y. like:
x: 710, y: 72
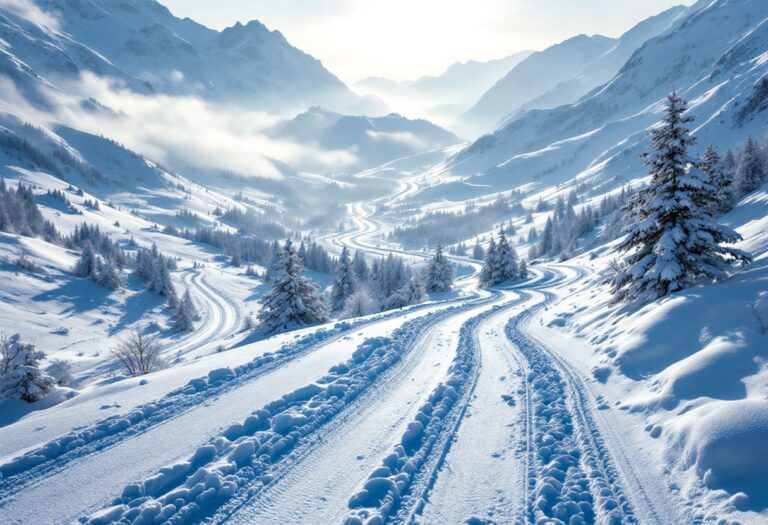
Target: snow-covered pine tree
x: 522, y: 269
x: 108, y: 275
x: 506, y: 261
x: 20, y: 373
x: 478, y: 253
x: 722, y: 182
x: 412, y: 292
x: 750, y: 171
x: 361, y: 267
x: 489, y: 265
x: 546, y: 243
x: 358, y: 304
x: 87, y: 264
x: 162, y: 282
x: 671, y: 239
x: 186, y: 313
x: 344, y: 282
x: 439, y: 276
x: 293, y: 301
x: 274, y: 263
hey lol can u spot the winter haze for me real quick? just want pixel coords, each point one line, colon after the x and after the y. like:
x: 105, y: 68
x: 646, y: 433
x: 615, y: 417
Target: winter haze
x: 372, y: 263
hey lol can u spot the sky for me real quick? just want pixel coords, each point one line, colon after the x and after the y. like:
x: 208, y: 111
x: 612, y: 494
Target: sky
x: 405, y: 39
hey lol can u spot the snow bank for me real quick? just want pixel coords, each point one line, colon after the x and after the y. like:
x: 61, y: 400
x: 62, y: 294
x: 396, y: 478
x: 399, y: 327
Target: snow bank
x: 727, y: 443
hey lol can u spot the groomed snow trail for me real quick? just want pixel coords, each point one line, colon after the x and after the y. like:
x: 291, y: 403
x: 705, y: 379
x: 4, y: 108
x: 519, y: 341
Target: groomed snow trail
x: 99, y: 475
x: 316, y: 489
x: 250, y: 454
x: 569, y: 474
x: 478, y: 478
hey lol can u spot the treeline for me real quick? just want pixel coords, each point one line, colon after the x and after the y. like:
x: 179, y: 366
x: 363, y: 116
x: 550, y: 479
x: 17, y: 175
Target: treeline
x: 19, y: 213
x: 563, y: 229
x: 358, y: 288
x: 447, y: 228
x: 101, y: 259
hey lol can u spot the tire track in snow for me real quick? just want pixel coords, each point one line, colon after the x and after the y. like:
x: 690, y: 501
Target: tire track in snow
x: 239, y: 461
x: 396, y: 490
x: 311, y: 487
x: 80, y: 444
x: 570, y: 476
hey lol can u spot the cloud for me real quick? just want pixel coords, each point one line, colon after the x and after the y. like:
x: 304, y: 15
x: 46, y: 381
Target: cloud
x: 187, y: 131
x: 401, y: 137
x: 29, y: 10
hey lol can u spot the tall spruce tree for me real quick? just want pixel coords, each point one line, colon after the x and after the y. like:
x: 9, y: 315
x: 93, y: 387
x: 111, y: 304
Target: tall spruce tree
x: 672, y: 240
x: 489, y: 265
x: 750, y: 171
x: 344, y: 284
x: 439, y: 276
x: 506, y: 261
x: 361, y: 267
x: 720, y: 180
x: 478, y: 253
x: 293, y: 301
x: 186, y: 313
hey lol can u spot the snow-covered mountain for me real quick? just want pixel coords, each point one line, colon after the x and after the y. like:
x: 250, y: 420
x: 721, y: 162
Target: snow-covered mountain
x: 602, y: 134
x: 143, y: 44
x: 607, y: 65
x: 372, y: 140
x: 565, y: 72
x: 443, y: 97
x: 459, y: 86
x: 539, y: 73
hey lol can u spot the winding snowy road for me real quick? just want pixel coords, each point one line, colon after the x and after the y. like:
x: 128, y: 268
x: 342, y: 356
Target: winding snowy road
x: 517, y: 439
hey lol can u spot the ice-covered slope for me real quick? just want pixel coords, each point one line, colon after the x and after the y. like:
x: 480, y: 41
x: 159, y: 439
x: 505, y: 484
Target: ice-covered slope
x: 537, y: 74
x: 602, y: 134
x: 143, y: 44
x: 607, y: 65
x: 373, y: 141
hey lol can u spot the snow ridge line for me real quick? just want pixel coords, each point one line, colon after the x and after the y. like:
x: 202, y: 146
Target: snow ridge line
x: 242, y: 457
x: 397, y: 489
x: 82, y: 442
x: 570, y: 477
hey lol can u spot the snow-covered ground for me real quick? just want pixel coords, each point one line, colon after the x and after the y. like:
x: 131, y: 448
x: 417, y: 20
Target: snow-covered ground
x: 540, y: 401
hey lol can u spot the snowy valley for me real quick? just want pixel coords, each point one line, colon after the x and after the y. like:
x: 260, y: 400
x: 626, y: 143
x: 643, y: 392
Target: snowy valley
x: 236, y: 289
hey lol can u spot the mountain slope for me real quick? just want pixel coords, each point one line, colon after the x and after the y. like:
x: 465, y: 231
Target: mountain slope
x: 373, y: 141
x: 537, y: 74
x: 602, y: 134
x: 606, y: 66
x: 144, y: 45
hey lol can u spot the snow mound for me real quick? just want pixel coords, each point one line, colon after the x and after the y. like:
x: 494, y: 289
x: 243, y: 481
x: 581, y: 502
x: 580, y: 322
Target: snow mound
x: 727, y: 442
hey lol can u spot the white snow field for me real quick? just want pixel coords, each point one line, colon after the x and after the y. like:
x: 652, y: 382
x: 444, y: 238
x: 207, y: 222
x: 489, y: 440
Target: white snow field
x: 540, y: 400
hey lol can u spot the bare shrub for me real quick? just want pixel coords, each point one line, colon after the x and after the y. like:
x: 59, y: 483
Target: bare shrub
x: 139, y: 354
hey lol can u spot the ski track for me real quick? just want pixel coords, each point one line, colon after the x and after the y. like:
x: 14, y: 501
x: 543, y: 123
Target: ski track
x: 316, y: 489
x: 92, y: 468
x: 569, y: 474
x: 234, y: 468
x: 484, y: 442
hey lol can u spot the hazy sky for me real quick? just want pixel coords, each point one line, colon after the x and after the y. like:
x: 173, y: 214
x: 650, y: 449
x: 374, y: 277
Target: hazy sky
x: 404, y: 39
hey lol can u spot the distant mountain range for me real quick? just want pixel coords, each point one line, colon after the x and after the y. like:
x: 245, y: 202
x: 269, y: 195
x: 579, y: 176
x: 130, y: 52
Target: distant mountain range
x: 563, y: 73
x: 600, y: 136
x: 141, y: 43
x: 372, y: 140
